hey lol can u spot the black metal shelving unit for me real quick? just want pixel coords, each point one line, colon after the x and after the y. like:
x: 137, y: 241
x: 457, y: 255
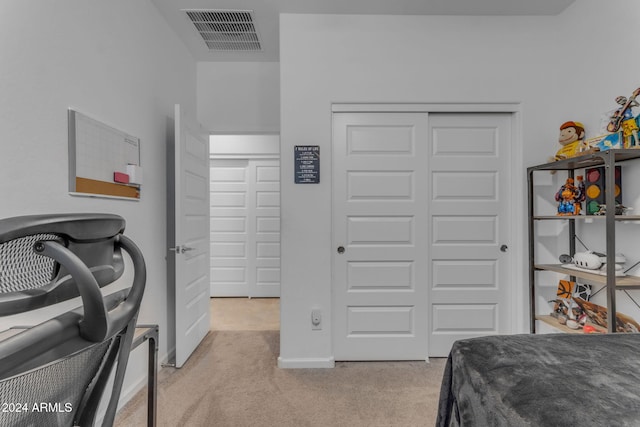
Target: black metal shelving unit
x: 609, y: 159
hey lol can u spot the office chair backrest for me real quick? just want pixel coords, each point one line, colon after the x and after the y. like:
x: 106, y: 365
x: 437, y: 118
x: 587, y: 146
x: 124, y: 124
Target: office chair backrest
x: 57, y: 371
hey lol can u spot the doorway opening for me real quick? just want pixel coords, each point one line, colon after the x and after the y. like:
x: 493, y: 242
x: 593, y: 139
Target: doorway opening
x: 245, y: 216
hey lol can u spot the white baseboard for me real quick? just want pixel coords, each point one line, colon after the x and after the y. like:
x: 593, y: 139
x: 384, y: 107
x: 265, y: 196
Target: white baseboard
x: 301, y: 363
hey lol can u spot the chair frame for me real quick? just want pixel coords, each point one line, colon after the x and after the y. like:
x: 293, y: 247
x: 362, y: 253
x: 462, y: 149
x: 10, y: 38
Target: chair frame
x: 87, y: 257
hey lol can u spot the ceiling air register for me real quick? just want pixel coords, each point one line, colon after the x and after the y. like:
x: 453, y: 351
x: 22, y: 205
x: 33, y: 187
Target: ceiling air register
x: 226, y: 30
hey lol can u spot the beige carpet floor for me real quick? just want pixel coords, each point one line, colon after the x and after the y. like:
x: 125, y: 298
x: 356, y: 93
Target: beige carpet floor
x: 233, y: 380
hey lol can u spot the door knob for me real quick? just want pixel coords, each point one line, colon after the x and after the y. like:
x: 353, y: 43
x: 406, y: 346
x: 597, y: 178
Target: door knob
x: 504, y: 248
x: 340, y: 249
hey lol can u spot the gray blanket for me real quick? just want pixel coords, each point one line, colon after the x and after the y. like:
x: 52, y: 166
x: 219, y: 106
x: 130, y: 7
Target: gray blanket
x: 542, y: 380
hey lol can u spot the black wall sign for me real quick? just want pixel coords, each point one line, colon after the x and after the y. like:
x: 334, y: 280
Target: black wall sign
x: 307, y: 164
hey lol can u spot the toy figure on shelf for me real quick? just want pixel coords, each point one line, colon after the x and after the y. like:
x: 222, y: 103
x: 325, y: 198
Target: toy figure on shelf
x: 620, y: 209
x: 565, y: 308
x: 572, y: 140
x: 570, y: 197
x: 623, y: 116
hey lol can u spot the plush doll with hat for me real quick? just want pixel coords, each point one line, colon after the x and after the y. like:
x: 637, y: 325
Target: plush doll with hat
x: 572, y: 140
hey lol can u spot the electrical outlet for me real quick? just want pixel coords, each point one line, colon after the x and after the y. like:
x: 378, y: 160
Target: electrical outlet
x: 316, y: 319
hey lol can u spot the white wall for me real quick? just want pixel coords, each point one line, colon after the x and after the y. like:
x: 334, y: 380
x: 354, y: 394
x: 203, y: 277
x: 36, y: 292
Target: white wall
x: 239, y: 97
x: 118, y: 62
x: 244, y: 146
x: 558, y: 68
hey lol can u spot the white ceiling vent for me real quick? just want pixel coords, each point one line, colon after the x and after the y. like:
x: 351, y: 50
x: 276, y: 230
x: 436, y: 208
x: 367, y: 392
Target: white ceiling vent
x: 226, y: 30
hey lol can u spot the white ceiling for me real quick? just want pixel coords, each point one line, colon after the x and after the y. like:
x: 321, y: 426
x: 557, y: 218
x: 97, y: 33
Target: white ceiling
x: 266, y: 13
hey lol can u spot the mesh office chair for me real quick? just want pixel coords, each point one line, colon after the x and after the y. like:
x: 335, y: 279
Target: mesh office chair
x: 55, y: 373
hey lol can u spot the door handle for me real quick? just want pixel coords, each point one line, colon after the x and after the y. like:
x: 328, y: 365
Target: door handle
x: 340, y: 249
x: 504, y: 248
x: 181, y: 249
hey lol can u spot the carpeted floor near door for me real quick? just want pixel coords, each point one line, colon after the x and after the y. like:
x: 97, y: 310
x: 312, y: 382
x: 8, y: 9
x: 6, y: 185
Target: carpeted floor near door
x: 233, y: 380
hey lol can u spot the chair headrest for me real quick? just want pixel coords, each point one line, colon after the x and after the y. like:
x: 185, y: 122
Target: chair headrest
x: 29, y: 281
x: 82, y: 226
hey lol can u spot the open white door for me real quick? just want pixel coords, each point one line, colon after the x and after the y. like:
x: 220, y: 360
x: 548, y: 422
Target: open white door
x: 189, y: 235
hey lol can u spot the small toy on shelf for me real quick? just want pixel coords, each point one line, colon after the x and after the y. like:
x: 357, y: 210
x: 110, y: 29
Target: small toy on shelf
x: 623, y: 116
x: 570, y: 197
x: 572, y: 140
x: 620, y: 209
x: 567, y: 290
x: 572, y: 324
x: 590, y: 329
x: 596, y: 189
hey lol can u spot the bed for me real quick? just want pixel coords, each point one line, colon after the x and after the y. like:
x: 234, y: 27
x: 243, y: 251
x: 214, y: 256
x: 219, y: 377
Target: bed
x: 542, y: 380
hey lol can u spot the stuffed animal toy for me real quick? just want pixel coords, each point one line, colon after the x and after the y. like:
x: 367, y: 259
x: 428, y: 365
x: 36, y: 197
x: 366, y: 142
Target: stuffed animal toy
x: 572, y: 140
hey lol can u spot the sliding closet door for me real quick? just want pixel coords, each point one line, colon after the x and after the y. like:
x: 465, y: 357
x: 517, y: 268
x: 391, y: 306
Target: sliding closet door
x: 245, y: 228
x: 421, y: 223
x: 380, y: 236
x: 266, y: 238
x: 230, y: 221
x: 469, y: 211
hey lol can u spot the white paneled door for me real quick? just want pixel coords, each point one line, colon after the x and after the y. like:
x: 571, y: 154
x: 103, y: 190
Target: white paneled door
x: 267, y: 229
x: 380, y: 236
x: 189, y: 235
x: 420, y: 215
x: 470, y: 220
x: 245, y: 228
x: 229, y: 228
